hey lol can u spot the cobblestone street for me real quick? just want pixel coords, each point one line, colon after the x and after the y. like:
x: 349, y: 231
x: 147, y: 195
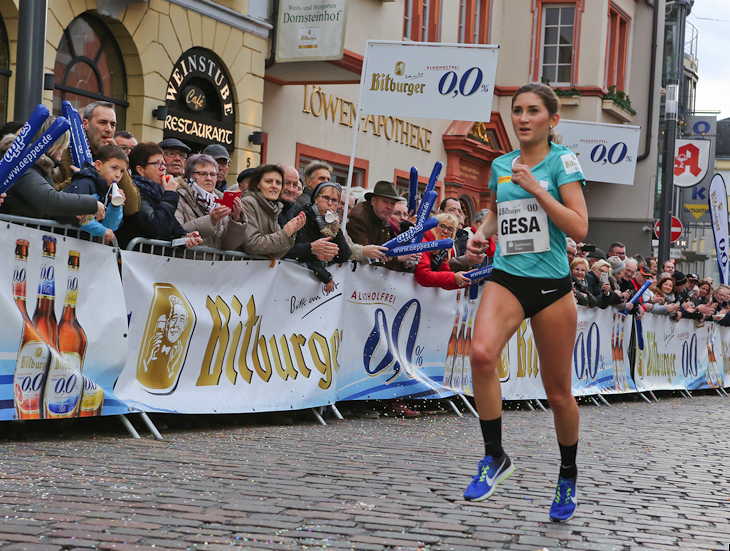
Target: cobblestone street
x: 650, y: 477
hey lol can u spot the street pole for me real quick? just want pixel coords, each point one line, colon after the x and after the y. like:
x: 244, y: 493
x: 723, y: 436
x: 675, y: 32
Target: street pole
x: 672, y: 86
x: 31, y: 49
x: 667, y: 196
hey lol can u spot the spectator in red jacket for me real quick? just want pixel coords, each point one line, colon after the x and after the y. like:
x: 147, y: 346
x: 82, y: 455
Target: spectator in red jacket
x: 433, y: 268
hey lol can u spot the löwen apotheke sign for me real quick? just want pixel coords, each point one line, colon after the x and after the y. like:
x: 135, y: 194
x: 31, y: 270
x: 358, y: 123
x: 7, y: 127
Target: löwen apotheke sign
x: 200, y: 100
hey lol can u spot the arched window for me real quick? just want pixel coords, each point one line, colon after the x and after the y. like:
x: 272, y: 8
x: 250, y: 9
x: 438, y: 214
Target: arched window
x: 89, y: 67
x: 4, y: 72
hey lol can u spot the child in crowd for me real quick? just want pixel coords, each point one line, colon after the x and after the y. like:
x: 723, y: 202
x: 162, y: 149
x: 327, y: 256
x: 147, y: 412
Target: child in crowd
x: 110, y: 164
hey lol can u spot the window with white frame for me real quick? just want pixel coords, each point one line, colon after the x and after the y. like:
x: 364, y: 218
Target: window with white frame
x: 408, y: 19
x: 557, y: 43
x: 473, y: 21
x: 422, y: 20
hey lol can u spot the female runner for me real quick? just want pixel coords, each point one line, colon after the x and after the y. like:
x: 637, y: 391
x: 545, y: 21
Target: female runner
x: 539, y: 200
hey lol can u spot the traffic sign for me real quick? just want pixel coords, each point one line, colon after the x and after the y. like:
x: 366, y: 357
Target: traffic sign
x: 677, y: 229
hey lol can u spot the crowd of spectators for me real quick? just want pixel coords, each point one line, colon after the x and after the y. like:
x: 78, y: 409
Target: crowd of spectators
x: 165, y: 192
x: 169, y: 193
x: 602, y: 279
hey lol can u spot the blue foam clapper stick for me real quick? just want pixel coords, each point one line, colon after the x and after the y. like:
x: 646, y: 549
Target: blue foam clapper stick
x: 80, y: 150
x: 434, y: 176
x: 22, y: 141
x: 39, y: 147
x: 412, y: 190
x: 411, y: 235
x: 413, y: 248
x: 634, y: 299
x: 425, y: 208
x: 479, y: 273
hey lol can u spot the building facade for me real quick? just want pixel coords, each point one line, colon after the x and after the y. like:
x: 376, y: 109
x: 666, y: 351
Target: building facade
x: 600, y: 55
x: 180, y: 68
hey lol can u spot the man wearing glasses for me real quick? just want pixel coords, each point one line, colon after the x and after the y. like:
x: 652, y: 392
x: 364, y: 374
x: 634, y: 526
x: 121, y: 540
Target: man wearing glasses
x: 176, y: 155
x: 223, y: 158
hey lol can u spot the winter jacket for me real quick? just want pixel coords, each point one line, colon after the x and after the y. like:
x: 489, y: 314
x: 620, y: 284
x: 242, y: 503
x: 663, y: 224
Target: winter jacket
x: 227, y: 234
x: 156, y: 216
x: 33, y: 196
x: 264, y: 236
x: 594, y: 286
x: 364, y: 228
x: 89, y: 182
x: 302, y: 249
x: 583, y: 295
x: 433, y: 268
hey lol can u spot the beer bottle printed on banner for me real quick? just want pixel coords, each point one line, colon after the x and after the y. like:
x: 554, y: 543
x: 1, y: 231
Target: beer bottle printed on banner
x: 33, y: 352
x: 451, y: 348
x: 460, y: 347
x: 472, y: 293
x: 44, y: 317
x: 92, y: 398
x: 62, y: 396
x: 165, y: 341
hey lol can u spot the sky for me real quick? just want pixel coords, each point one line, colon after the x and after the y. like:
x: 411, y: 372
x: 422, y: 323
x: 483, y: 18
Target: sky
x: 712, y: 19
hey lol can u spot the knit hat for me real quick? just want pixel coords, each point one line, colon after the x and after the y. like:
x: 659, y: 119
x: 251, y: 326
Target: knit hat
x: 617, y: 265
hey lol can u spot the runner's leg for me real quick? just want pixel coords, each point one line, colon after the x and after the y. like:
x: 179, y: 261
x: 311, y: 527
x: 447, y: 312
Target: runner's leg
x: 554, y: 331
x: 498, y: 317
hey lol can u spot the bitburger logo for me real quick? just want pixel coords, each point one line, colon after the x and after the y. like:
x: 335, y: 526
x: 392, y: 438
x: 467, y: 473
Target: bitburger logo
x: 384, y: 82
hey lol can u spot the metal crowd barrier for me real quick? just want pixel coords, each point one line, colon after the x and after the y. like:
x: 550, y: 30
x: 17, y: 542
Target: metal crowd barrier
x: 51, y: 226
x: 201, y: 252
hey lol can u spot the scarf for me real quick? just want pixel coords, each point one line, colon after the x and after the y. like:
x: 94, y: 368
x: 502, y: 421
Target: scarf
x: 205, y: 199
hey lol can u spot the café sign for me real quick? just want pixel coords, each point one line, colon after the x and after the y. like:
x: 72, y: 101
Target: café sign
x: 200, y: 101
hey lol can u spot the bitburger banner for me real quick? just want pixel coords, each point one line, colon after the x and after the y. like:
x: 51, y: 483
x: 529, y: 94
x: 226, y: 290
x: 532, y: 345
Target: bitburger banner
x: 677, y: 355
x: 601, y: 352
x: 63, y: 338
x: 396, y: 336
x: 228, y: 337
x: 444, y: 81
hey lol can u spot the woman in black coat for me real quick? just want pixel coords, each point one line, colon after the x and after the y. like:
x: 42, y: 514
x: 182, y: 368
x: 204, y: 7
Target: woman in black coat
x: 321, y: 241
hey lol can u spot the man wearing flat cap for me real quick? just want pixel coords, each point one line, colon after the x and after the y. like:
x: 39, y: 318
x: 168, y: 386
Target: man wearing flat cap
x: 369, y: 221
x: 175, y: 154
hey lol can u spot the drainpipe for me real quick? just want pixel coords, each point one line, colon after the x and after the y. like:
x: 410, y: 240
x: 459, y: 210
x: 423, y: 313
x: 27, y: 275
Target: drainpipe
x: 652, y: 82
x: 29, y: 66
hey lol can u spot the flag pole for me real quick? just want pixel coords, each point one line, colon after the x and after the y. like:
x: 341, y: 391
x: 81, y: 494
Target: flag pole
x: 355, y: 135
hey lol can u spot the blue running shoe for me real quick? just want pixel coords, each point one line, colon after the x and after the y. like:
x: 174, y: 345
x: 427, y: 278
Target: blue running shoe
x: 490, y: 472
x: 565, y: 502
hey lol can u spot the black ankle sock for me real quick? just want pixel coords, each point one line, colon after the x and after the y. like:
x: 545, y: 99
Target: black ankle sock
x: 492, y: 434
x: 568, y: 468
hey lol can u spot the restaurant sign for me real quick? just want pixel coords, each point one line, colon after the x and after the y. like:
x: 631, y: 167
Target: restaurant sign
x: 200, y: 101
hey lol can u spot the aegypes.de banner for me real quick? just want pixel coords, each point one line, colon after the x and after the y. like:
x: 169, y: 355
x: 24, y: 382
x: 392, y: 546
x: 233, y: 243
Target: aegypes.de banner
x: 193, y: 336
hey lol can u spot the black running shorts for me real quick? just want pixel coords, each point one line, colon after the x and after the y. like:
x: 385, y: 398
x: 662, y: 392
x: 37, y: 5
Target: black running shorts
x: 533, y: 293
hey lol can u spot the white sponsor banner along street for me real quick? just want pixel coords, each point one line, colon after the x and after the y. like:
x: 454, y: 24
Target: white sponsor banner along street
x: 606, y: 152
x: 601, y: 352
x: 600, y: 360
x: 441, y: 81
x: 678, y: 355
x: 223, y: 337
x: 719, y: 215
x: 310, y: 30
x: 396, y: 336
x: 724, y: 333
x: 63, y: 338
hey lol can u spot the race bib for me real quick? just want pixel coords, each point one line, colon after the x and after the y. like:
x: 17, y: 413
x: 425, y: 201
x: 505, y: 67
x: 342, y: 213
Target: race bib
x: 523, y: 227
